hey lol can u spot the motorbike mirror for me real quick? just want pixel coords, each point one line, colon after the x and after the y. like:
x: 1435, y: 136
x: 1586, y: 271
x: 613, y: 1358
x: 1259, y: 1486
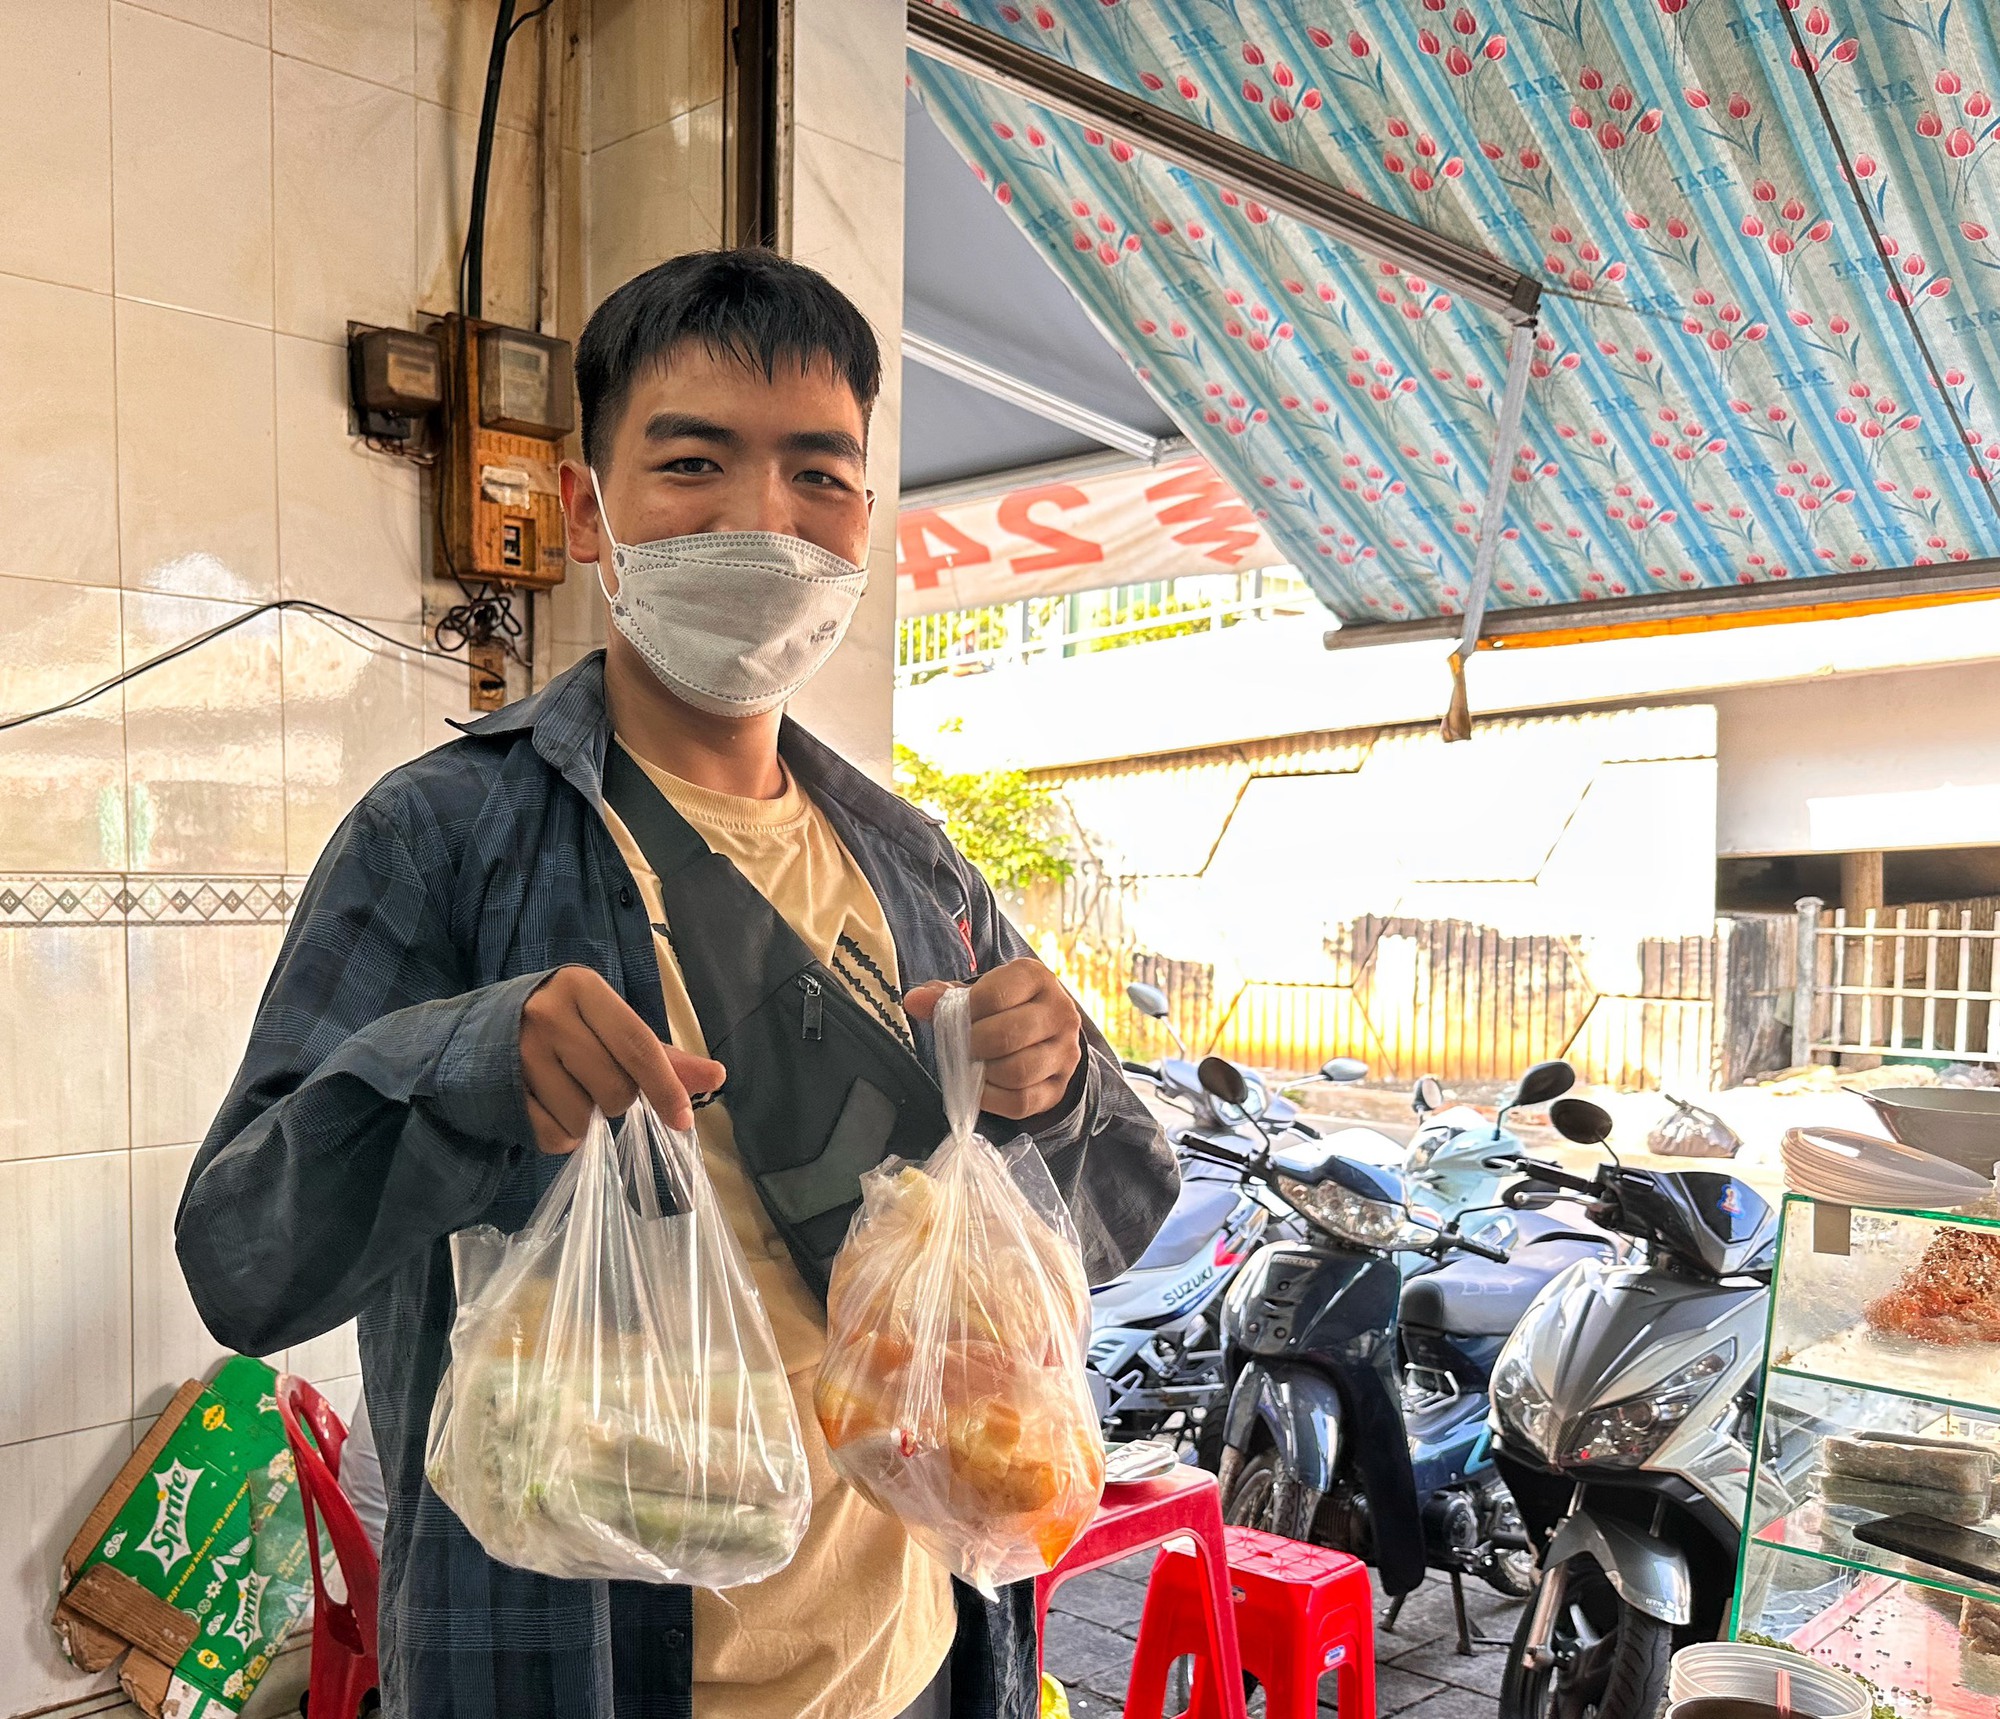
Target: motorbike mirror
x: 1221, y: 1078
x: 1344, y: 1069
x: 1148, y: 1000
x: 1546, y: 1080
x: 1429, y: 1096
x: 1579, y: 1120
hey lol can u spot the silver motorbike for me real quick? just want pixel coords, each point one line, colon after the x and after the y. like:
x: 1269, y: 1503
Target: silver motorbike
x: 1624, y: 1407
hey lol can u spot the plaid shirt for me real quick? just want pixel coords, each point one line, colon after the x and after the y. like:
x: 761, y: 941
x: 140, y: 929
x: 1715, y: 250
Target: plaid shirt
x: 379, y: 1108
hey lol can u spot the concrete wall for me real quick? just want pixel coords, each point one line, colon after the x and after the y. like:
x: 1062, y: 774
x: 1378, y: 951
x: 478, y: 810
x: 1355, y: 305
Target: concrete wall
x: 1905, y: 760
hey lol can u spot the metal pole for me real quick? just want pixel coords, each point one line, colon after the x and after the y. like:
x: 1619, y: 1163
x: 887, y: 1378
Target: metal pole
x: 1805, y: 996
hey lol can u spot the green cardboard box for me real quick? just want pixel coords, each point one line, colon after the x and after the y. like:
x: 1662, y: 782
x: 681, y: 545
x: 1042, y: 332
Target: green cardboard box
x: 194, y: 1564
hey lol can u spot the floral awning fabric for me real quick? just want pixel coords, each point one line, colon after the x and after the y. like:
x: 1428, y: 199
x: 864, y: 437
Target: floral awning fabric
x: 1723, y: 392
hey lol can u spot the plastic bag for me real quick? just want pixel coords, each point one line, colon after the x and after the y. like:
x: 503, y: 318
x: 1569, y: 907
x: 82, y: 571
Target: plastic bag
x: 952, y: 1390
x: 614, y: 1407
x: 1688, y: 1131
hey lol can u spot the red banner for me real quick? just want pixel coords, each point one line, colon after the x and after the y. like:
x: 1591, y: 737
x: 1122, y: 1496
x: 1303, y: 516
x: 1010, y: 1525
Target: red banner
x: 1121, y: 528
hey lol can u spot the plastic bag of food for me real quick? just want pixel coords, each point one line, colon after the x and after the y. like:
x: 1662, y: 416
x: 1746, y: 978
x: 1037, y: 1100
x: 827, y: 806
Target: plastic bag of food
x: 614, y: 1407
x: 1688, y: 1131
x: 952, y: 1390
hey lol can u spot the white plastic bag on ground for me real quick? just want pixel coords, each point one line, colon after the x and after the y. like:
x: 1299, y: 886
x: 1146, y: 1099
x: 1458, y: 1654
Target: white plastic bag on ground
x: 615, y: 1407
x: 952, y: 1392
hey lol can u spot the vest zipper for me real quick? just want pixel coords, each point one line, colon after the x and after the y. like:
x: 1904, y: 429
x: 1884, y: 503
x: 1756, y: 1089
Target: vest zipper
x: 811, y: 1025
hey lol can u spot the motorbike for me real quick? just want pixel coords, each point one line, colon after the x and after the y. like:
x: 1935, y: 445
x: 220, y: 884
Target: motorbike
x: 1357, y: 1411
x: 1155, y: 1360
x: 1624, y: 1409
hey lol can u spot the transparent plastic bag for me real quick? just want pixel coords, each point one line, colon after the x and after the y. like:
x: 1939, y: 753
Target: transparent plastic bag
x: 614, y: 1407
x: 1688, y: 1131
x: 952, y: 1390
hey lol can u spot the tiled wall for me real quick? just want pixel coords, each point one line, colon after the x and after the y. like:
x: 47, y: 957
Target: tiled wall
x: 195, y: 196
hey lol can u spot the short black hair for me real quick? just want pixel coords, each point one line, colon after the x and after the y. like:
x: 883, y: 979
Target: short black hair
x: 748, y: 303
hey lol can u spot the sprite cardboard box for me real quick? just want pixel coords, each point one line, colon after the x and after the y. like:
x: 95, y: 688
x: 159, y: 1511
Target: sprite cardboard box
x: 194, y: 1564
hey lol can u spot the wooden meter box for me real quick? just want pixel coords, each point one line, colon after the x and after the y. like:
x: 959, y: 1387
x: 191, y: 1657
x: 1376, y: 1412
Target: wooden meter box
x: 507, y: 411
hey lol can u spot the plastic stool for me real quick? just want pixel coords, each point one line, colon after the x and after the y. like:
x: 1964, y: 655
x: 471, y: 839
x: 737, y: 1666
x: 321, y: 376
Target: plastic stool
x: 1301, y: 1611
x: 343, y: 1644
x: 1183, y: 1505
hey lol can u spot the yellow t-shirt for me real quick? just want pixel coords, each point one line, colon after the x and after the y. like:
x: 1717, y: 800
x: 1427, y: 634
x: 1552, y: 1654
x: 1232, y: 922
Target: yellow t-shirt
x: 858, y: 1623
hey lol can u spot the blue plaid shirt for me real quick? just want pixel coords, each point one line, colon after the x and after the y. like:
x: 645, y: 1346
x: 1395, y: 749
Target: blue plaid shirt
x: 379, y: 1108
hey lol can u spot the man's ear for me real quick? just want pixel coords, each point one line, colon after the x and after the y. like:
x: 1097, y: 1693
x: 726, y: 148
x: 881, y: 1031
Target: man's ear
x: 582, y: 522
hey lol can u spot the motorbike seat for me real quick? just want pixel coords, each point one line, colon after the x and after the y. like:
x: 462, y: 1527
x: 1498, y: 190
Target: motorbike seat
x: 1476, y: 1298
x: 1198, y: 1215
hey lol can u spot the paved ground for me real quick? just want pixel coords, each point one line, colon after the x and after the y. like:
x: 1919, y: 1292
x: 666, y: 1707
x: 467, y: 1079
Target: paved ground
x: 1094, y: 1619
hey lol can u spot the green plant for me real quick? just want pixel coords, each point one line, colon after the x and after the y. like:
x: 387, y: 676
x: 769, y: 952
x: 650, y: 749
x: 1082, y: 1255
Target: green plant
x: 999, y: 819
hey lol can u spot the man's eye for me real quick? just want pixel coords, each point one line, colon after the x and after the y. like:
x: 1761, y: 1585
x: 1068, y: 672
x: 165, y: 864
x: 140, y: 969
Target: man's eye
x: 821, y: 480
x: 691, y: 465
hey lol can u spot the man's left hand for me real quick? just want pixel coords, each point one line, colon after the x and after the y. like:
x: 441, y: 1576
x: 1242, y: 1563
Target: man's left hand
x: 1025, y: 1029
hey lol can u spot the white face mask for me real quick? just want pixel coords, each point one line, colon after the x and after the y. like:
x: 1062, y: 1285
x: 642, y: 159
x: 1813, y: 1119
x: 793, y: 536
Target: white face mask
x: 732, y: 622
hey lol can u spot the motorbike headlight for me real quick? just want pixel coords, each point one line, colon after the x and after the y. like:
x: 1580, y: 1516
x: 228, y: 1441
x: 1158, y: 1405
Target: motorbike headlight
x: 1523, y: 1408
x: 1422, y: 1150
x: 1349, y: 1216
x: 1625, y: 1434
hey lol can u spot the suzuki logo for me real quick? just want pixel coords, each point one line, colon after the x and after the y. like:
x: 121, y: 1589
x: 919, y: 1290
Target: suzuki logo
x: 1187, y: 1286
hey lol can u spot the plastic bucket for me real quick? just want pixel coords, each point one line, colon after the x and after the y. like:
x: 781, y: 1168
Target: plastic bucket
x: 1743, y: 1671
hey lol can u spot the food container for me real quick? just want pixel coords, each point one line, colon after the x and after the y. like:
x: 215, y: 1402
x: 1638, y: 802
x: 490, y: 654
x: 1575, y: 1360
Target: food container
x: 1958, y: 1123
x: 1741, y: 1671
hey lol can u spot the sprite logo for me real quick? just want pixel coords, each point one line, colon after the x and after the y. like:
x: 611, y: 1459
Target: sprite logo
x: 249, y: 1602
x: 167, y: 1540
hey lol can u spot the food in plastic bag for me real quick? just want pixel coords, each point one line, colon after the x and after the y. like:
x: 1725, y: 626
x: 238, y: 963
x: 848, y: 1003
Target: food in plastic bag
x: 1688, y: 1131
x: 952, y: 1391
x: 614, y: 1407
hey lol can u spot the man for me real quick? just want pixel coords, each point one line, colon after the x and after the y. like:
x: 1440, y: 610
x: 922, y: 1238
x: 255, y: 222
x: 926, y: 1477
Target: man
x: 530, y: 923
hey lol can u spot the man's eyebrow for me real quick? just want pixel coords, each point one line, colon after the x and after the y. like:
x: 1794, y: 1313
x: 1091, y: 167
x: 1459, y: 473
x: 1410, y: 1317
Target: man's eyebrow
x: 674, y: 426
x: 836, y: 443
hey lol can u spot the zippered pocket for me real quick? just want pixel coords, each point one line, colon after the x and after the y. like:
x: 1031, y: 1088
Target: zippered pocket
x: 812, y: 1019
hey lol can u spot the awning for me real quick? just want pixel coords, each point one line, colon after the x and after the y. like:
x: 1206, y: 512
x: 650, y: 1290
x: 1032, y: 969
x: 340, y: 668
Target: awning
x: 1732, y: 381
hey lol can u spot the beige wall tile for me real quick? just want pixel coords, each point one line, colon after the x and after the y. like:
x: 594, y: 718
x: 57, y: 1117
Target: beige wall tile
x: 62, y: 1040
x: 352, y: 714
x: 247, y: 20
x: 372, y: 39
x: 65, y: 1298
x: 58, y: 434
x: 847, y: 72
x: 194, y: 994
x: 64, y: 775
x: 191, y: 166
x: 349, y: 520
x: 654, y: 195
x: 46, y: 1489
x: 445, y: 144
x: 197, y: 479
x: 169, y: 1342
x: 345, y: 240
x: 847, y: 222
x: 55, y: 150
x: 454, y: 39
x: 335, y: 1356
x: 445, y: 701
x: 650, y: 63
x: 204, y: 751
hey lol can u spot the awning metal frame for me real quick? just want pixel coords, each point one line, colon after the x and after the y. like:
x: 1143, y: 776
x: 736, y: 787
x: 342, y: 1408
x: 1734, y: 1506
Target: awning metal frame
x: 1032, y: 397
x: 983, y: 54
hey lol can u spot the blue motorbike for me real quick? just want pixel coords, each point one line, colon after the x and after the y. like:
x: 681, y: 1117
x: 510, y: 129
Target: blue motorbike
x: 1357, y: 1409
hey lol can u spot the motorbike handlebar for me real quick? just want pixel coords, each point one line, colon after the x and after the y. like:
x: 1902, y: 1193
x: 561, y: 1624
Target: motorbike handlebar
x: 1497, y: 1255
x: 1555, y: 1174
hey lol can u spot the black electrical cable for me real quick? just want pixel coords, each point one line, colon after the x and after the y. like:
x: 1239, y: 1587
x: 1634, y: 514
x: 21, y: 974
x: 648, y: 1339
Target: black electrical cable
x: 472, y: 298
x: 1809, y: 64
x: 319, y: 611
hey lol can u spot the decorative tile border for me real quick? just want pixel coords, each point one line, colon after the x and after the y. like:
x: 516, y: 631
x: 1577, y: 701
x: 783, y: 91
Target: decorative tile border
x: 141, y: 898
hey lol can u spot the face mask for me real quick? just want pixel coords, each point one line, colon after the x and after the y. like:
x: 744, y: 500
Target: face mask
x: 732, y: 622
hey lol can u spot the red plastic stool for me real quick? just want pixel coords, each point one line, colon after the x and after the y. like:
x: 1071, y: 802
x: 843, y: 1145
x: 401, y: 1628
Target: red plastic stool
x: 343, y: 1645
x: 1183, y: 1505
x: 1301, y: 1611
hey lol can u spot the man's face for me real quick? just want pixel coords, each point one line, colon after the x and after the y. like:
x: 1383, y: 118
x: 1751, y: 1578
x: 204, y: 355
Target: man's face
x: 709, y: 443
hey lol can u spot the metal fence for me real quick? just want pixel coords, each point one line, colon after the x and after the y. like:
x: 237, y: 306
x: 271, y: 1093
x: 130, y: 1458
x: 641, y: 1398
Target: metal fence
x: 1903, y: 981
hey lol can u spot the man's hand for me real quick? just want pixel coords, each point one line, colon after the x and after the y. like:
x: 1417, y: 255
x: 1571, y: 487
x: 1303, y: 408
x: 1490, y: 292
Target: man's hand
x: 1025, y: 1029
x: 583, y: 1045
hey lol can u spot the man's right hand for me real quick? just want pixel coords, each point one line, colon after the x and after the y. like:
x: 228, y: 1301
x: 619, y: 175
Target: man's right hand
x: 584, y: 1046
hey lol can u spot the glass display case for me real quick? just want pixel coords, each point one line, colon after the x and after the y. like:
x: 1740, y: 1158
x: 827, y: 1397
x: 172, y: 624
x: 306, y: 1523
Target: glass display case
x: 1881, y: 1400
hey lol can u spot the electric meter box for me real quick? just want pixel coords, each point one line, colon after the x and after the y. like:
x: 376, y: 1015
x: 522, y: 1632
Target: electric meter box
x: 507, y: 410
x: 395, y: 380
